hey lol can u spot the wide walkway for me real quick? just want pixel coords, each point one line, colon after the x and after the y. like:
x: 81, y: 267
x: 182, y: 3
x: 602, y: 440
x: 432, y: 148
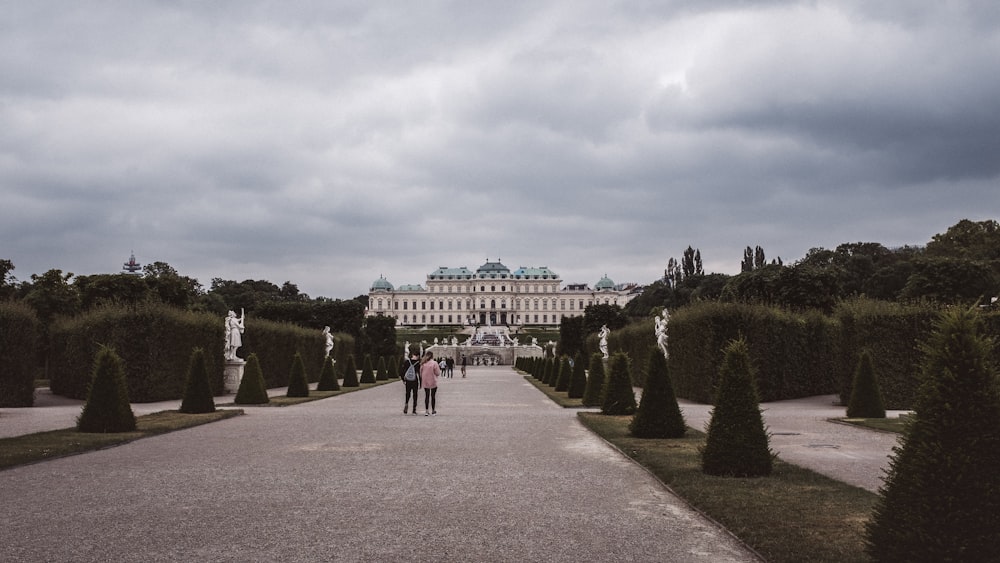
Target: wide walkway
x: 500, y: 474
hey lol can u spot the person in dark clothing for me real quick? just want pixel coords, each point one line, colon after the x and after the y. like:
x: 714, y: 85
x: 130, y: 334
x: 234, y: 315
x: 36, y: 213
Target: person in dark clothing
x: 409, y: 373
x: 465, y: 362
x: 450, y: 362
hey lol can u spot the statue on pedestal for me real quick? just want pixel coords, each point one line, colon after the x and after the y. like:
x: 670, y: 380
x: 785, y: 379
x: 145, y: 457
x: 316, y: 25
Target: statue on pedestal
x: 406, y: 350
x: 234, y: 328
x: 604, y: 340
x: 329, y: 339
x: 661, y: 331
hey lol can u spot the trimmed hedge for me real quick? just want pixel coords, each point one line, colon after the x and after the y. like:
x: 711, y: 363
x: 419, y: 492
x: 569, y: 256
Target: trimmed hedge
x: 19, y: 330
x: 276, y: 344
x: 153, y: 340
x: 107, y: 408
x: 636, y: 341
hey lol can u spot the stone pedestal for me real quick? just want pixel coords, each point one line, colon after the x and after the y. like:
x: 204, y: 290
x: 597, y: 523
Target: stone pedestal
x: 232, y: 375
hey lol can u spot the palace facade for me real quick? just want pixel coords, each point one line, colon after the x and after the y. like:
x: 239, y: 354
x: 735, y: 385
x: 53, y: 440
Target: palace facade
x: 492, y: 295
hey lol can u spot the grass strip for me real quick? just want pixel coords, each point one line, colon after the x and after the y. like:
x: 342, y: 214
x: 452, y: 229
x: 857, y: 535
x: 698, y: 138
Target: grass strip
x: 895, y: 425
x: 41, y: 446
x: 282, y: 401
x: 561, y: 398
x: 792, y: 516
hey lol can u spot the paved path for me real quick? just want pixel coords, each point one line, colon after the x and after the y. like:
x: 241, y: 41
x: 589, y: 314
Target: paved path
x: 501, y: 474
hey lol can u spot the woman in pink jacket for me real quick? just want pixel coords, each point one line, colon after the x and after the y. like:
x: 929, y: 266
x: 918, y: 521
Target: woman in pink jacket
x: 429, y: 373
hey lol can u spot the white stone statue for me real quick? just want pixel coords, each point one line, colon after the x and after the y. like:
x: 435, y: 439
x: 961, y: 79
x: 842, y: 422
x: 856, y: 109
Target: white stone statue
x: 234, y: 328
x: 604, y: 340
x: 534, y: 341
x: 660, y: 329
x: 406, y: 350
x: 515, y: 341
x: 454, y: 341
x: 329, y: 339
x: 435, y: 340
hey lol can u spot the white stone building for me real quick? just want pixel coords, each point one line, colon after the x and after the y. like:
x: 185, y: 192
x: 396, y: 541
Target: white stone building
x: 492, y: 295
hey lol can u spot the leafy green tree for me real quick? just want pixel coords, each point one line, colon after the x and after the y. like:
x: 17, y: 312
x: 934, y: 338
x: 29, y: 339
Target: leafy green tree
x: 51, y: 294
x: 571, y: 335
x: 866, y: 396
x: 367, y: 373
x: 968, y: 240
x: 949, y: 280
x: 197, y: 388
x: 253, y: 389
x: 328, y: 377
x: 562, y: 380
x: 380, y: 332
x: 597, y: 315
x: 941, y: 497
x: 298, y: 383
x: 595, y: 381
x: 578, y: 379
x: 171, y: 287
x: 658, y: 415
x: 111, y: 288
x: 350, y: 373
x: 107, y: 408
x: 618, y: 398
x: 737, y: 441
x: 8, y: 283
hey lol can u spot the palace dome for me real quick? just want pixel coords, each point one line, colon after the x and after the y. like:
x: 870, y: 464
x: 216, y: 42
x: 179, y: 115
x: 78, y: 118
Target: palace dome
x: 381, y: 284
x: 493, y: 270
x: 604, y: 283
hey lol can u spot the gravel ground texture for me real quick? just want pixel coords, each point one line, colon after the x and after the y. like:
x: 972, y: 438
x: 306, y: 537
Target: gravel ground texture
x: 499, y: 474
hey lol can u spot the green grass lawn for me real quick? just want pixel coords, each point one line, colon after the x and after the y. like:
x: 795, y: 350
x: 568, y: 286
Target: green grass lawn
x: 282, y: 401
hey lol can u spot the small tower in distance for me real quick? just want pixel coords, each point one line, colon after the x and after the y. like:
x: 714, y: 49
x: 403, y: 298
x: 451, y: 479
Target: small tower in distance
x: 132, y: 266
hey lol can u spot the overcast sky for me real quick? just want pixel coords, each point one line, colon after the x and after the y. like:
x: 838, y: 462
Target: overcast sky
x: 328, y: 143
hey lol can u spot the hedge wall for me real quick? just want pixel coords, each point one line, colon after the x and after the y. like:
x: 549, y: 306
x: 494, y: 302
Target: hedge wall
x: 19, y: 329
x: 154, y: 341
x: 276, y: 343
x: 637, y: 341
x: 794, y: 354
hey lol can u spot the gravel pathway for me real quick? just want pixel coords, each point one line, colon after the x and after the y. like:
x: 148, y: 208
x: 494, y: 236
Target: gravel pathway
x: 500, y: 474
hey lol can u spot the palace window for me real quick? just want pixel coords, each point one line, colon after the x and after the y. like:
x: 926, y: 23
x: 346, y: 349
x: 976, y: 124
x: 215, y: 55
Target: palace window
x: 423, y: 305
x: 423, y: 319
x: 432, y: 305
x: 404, y: 305
x: 449, y: 304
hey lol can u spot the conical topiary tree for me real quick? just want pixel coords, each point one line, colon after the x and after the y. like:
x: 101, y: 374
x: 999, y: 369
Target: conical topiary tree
x: 383, y: 370
x: 253, y: 389
x: 546, y: 371
x: 618, y: 398
x: 107, y: 408
x: 350, y: 373
x: 328, y: 377
x: 737, y: 444
x: 578, y: 378
x: 595, y: 381
x: 562, y: 382
x: 197, y: 389
x: 298, y: 383
x: 658, y: 415
x: 866, y: 396
x: 941, y: 496
x: 367, y: 373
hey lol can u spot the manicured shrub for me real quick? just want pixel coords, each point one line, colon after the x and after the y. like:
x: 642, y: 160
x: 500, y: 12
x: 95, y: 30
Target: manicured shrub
x: 107, y: 408
x: 595, y: 381
x: 367, y: 373
x: 350, y: 373
x: 547, y: 372
x: 253, y: 390
x: 328, y: 377
x: 737, y: 441
x: 866, y: 397
x: 618, y: 398
x: 383, y: 370
x: 941, y: 497
x: 19, y: 332
x: 197, y: 390
x: 562, y: 381
x: 658, y: 415
x: 578, y: 378
x: 298, y: 384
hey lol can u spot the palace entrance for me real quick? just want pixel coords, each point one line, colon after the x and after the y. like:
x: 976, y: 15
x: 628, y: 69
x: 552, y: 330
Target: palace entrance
x: 494, y: 318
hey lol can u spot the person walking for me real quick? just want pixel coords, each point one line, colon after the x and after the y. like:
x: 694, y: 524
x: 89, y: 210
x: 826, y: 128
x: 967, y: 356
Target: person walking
x: 429, y: 373
x: 465, y: 362
x: 410, y: 374
x: 450, y: 362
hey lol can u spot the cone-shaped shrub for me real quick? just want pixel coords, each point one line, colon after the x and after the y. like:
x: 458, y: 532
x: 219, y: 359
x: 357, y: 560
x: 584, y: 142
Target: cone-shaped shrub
x: 595, y: 381
x: 737, y: 442
x: 350, y: 373
x: 941, y: 497
x: 866, y: 396
x: 253, y: 390
x: 562, y: 382
x: 328, y: 377
x: 298, y: 383
x: 578, y: 378
x: 367, y: 373
x: 658, y: 415
x: 383, y: 370
x: 197, y: 388
x: 553, y: 371
x: 546, y: 371
x: 107, y: 408
x: 619, y: 398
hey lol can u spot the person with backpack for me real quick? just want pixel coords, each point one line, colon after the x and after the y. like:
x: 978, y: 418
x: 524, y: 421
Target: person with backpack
x: 410, y: 375
x: 429, y: 373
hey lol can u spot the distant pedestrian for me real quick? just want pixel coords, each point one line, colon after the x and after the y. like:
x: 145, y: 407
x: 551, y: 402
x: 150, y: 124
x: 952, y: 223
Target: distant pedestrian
x: 450, y: 362
x: 409, y: 372
x: 429, y: 373
x: 465, y: 362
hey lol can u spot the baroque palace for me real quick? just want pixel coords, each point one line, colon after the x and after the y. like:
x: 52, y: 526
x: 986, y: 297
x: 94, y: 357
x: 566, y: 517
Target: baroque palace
x: 492, y: 295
